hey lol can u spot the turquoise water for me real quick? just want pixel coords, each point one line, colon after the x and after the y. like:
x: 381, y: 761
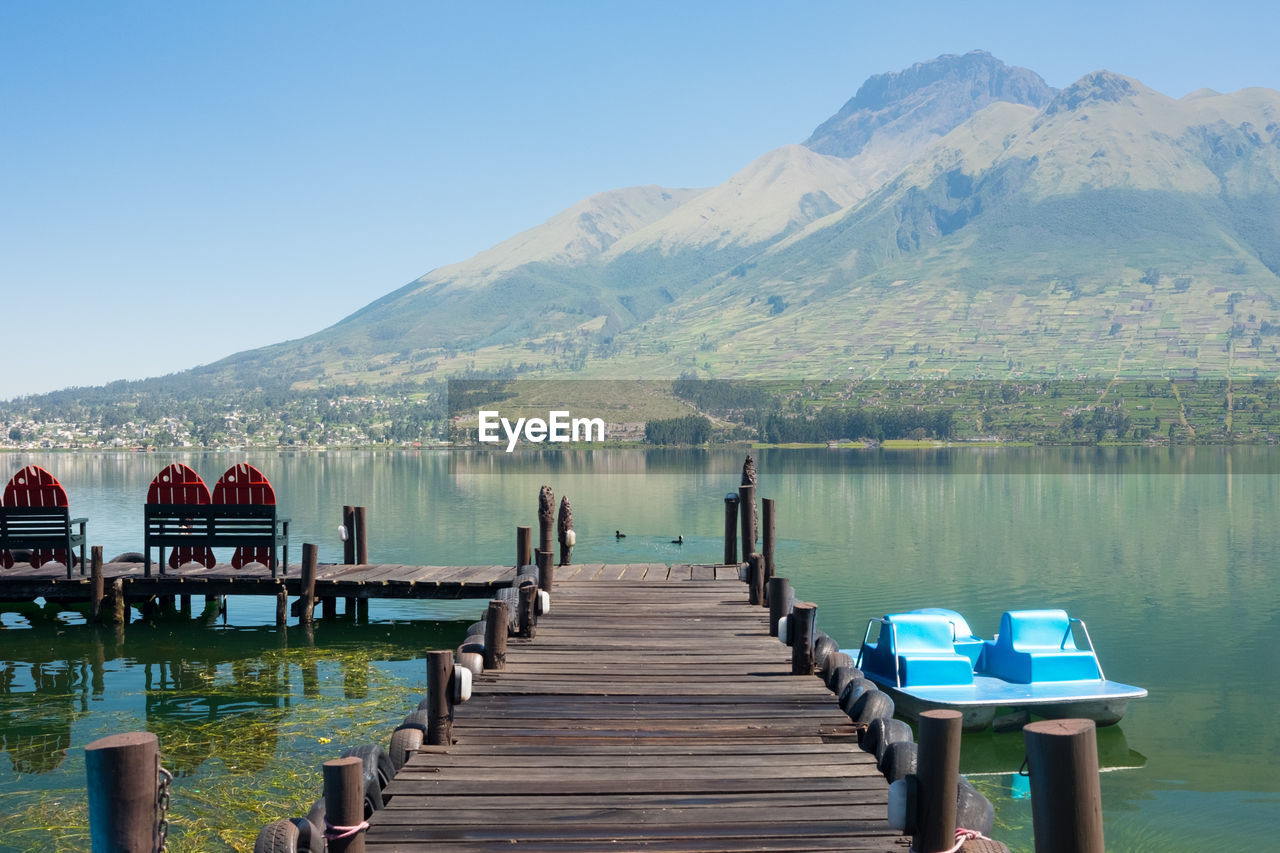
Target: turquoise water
x: 1168, y: 554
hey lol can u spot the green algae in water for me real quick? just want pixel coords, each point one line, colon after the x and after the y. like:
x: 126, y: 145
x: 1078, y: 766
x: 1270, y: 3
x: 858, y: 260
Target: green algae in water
x: 244, y: 721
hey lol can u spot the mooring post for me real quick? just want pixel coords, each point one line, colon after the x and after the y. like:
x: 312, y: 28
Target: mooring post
x: 495, y: 635
x: 119, y: 609
x: 731, y: 528
x: 309, y: 558
x: 546, y: 570
x: 439, y: 698
x: 564, y: 527
x: 937, y: 776
x: 1066, y: 799
x: 767, y: 522
x: 349, y: 535
x: 362, y: 536
x: 349, y: 608
x: 747, y: 514
x: 524, y: 547
x: 528, y: 611
x: 124, y: 783
x: 779, y: 597
x: 95, y: 585
x: 546, y: 518
x: 362, y: 610
x: 802, y: 623
x: 282, y: 607
x: 344, y: 804
x: 755, y: 579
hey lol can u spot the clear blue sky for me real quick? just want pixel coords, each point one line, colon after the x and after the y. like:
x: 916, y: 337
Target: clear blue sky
x: 181, y: 181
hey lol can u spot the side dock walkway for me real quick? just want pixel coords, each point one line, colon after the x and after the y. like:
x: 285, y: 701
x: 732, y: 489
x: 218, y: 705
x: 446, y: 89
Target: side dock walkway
x: 652, y: 711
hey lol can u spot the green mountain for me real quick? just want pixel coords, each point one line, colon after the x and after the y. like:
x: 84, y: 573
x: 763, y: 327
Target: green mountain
x: 959, y: 218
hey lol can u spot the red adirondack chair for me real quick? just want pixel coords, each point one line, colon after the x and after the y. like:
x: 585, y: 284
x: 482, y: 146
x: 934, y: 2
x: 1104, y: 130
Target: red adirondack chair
x: 34, y: 516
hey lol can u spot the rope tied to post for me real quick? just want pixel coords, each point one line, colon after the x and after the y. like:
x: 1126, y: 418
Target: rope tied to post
x: 962, y: 835
x: 332, y: 832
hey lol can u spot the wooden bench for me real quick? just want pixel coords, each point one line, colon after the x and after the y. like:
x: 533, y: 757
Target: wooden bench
x: 215, y: 526
x: 45, y: 531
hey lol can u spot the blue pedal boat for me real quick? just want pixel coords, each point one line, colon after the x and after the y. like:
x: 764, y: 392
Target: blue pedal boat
x: 930, y: 658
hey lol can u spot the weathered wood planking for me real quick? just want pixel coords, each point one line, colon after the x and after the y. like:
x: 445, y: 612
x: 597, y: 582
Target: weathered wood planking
x: 24, y: 583
x: 645, y: 715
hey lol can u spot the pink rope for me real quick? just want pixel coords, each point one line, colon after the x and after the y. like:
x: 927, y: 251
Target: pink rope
x: 333, y: 833
x: 962, y: 835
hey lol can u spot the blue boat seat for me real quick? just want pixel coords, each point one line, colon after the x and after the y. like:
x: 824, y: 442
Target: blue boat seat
x: 963, y: 639
x: 919, y: 645
x: 1036, y: 645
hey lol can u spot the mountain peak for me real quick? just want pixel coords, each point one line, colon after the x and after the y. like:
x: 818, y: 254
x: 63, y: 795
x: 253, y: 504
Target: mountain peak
x: 929, y: 99
x: 1100, y: 87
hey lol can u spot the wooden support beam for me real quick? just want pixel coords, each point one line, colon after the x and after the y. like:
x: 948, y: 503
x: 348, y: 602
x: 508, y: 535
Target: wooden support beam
x: 344, y: 803
x: 95, y: 585
x: 439, y: 704
x: 362, y: 536
x: 349, y: 540
x: 937, y: 774
x: 731, y: 529
x: 123, y: 777
x: 495, y: 635
x: 802, y: 623
x: 308, y: 598
x: 1066, y: 798
x: 779, y: 596
x: 767, y: 519
x: 747, y: 514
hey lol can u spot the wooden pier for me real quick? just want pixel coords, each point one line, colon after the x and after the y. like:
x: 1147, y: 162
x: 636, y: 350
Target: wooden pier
x: 24, y: 583
x: 652, y: 710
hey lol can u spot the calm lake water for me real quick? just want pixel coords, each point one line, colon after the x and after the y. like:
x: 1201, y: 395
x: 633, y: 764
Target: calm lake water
x: 1168, y: 554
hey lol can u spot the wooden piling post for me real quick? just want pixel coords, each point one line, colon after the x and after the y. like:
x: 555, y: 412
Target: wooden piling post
x: 937, y: 775
x: 779, y: 595
x: 767, y: 522
x: 439, y: 704
x: 362, y: 610
x: 349, y: 607
x: 747, y: 514
x: 564, y: 527
x: 495, y: 635
x: 362, y: 536
x: 528, y: 612
x: 731, y: 528
x: 119, y: 609
x: 184, y: 605
x: 1066, y: 799
x: 309, y: 559
x: 123, y: 776
x: 546, y: 518
x: 344, y: 804
x: 282, y: 607
x: 95, y: 585
x: 524, y: 546
x: 546, y: 570
x: 802, y: 623
x: 755, y: 579
x: 349, y: 541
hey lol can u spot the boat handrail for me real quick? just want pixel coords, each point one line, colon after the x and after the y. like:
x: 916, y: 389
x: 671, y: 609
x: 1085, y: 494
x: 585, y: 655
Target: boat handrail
x: 1088, y: 639
x: 866, y: 636
x: 897, y: 658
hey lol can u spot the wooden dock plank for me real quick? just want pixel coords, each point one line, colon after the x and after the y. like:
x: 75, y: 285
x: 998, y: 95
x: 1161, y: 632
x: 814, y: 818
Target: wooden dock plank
x: 643, y: 716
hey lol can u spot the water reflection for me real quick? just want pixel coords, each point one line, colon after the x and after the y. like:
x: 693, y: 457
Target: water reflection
x: 205, y: 691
